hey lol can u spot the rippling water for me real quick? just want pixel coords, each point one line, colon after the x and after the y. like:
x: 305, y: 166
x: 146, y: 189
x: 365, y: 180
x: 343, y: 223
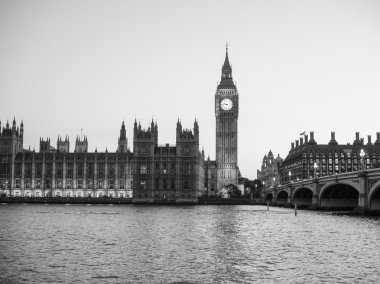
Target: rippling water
x: 191, y: 244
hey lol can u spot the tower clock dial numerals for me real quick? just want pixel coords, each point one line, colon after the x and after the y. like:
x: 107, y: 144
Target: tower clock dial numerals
x: 226, y: 104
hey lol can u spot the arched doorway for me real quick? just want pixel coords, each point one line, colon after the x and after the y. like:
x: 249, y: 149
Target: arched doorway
x: 282, y: 198
x: 339, y: 196
x: 303, y: 197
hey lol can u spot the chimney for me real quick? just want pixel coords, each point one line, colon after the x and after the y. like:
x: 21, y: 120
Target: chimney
x: 301, y: 141
x: 378, y: 137
x: 297, y: 143
x: 369, y: 140
x: 332, y: 135
x: 292, y: 145
x: 357, y: 136
x: 311, y: 135
x: 306, y: 138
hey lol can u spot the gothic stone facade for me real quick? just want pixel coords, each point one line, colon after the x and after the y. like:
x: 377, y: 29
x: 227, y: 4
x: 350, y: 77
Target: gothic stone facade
x: 168, y: 173
x: 52, y: 172
x: 330, y: 159
x: 152, y: 173
x: 269, y: 175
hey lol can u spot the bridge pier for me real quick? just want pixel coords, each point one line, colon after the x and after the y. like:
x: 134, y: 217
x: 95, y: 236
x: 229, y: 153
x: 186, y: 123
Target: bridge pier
x: 315, y: 202
x: 363, y: 204
x: 289, y: 201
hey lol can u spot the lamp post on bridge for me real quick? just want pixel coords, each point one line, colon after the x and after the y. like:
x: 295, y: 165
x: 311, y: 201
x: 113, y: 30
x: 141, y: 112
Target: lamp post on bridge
x: 315, y: 169
x: 362, y: 155
x: 290, y: 176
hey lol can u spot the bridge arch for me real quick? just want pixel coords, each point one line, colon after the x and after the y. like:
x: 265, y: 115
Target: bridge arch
x: 303, y: 196
x: 374, y: 197
x: 282, y: 197
x: 344, y: 194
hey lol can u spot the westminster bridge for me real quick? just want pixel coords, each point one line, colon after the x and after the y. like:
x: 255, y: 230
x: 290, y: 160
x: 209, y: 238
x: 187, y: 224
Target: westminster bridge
x: 359, y: 190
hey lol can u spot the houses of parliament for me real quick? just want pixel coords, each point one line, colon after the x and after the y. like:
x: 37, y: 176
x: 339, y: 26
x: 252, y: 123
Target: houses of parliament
x: 150, y: 173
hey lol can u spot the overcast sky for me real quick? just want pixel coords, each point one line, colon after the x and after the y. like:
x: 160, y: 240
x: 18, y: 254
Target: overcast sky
x: 299, y: 65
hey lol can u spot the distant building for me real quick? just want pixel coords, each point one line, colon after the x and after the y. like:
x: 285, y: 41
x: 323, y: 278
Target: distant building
x: 308, y: 159
x: 269, y: 175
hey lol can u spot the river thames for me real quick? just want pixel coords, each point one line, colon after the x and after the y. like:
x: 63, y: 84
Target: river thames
x: 185, y: 244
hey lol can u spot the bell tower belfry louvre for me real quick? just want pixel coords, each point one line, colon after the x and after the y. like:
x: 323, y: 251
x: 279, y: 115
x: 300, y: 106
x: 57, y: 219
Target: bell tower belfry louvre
x: 226, y: 114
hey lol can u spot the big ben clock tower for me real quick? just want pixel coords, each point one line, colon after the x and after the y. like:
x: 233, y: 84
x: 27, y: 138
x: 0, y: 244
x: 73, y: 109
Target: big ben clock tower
x: 226, y: 113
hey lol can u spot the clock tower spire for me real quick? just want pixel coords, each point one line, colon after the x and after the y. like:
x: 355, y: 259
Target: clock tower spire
x: 226, y: 79
x: 226, y: 114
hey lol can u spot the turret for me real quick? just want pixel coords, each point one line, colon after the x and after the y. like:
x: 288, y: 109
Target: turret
x: 178, y: 129
x: 156, y: 133
x: 196, y: 130
x: 187, y: 141
x: 45, y: 145
x: 123, y: 135
x: 14, y: 125
x: 11, y: 139
x: 152, y: 126
x: 122, y: 146
x: 63, y: 145
x: 22, y: 129
x: 134, y: 130
x: 144, y: 141
x: 226, y: 77
x: 81, y: 144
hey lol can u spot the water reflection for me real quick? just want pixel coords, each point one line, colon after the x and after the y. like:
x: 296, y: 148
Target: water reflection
x: 194, y: 244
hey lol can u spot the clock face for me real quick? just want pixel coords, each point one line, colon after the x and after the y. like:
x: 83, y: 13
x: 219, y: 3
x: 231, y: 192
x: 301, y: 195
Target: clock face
x: 226, y: 104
